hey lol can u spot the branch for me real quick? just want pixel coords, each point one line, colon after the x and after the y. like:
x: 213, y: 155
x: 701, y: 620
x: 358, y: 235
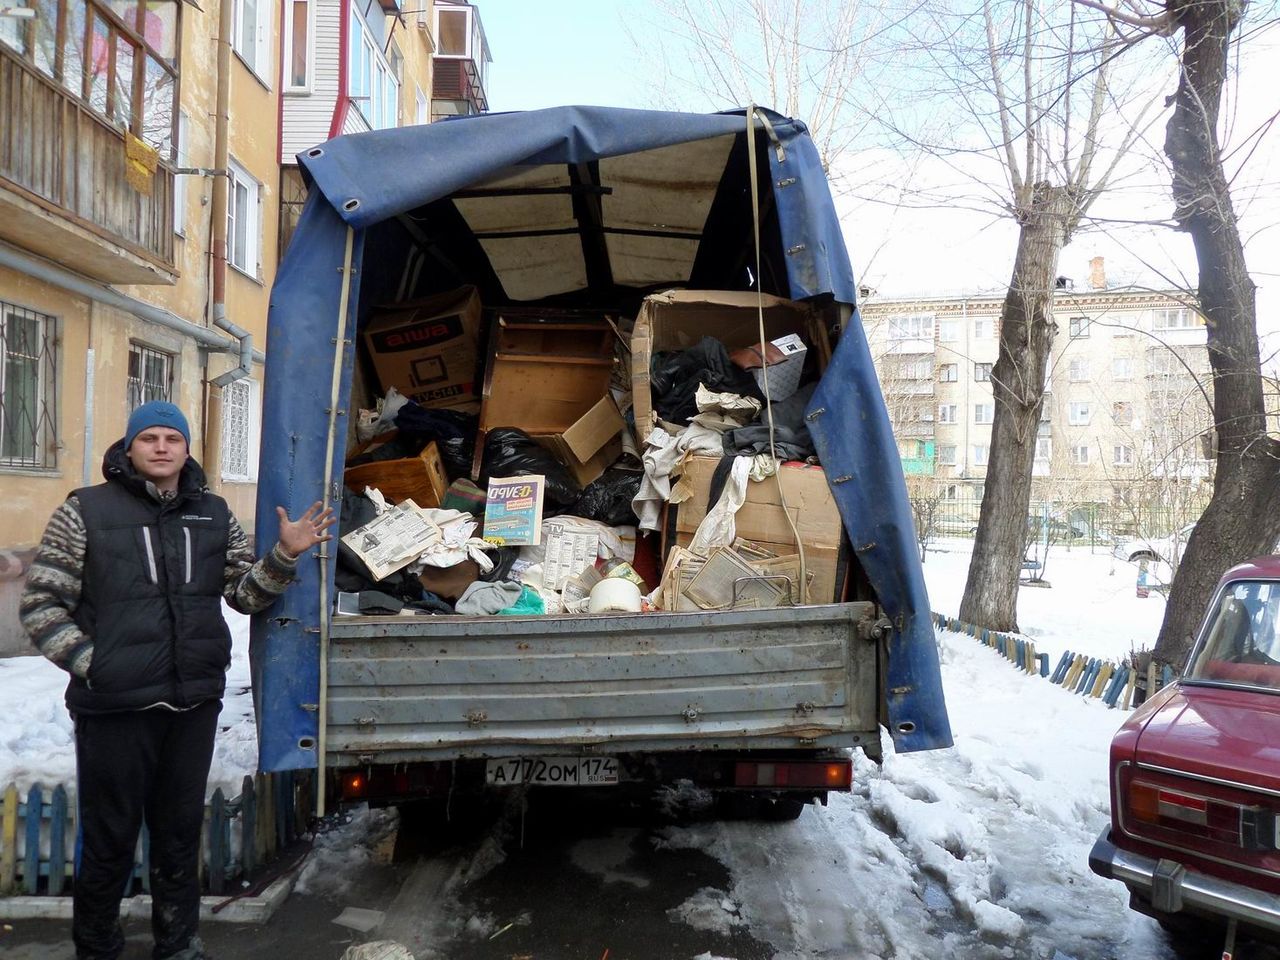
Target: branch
x: 1162, y: 24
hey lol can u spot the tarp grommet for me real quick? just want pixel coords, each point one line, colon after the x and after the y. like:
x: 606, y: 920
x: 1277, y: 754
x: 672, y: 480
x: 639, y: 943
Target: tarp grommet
x: 315, y: 152
x: 351, y: 205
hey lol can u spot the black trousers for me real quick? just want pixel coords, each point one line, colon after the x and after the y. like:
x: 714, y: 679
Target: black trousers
x: 145, y: 764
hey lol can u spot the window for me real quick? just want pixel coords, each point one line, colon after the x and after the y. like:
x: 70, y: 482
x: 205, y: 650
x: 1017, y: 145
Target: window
x: 984, y: 412
x: 1078, y: 371
x: 297, y: 45
x: 948, y: 331
x: 129, y: 79
x: 1122, y: 455
x: 1078, y: 327
x: 1174, y: 318
x: 1122, y: 412
x: 244, y: 221
x: 982, y: 372
x: 949, y: 372
x: 28, y: 388
x: 1080, y: 454
x: 1044, y: 448
x: 1122, y: 368
x: 250, y: 31
x: 1078, y: 413
x: 982, y: 328
x: 371, y: 82
x: 947, y: 454
x: 911, y: 326
x: 241, y: 431
x: 947, y: 413
x: 422, y: 107
x: 916, y: 369
x: 980, y: 454
x: 150, y: 375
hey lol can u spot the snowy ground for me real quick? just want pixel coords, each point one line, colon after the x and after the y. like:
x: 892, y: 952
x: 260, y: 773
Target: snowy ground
x: 978, y: 851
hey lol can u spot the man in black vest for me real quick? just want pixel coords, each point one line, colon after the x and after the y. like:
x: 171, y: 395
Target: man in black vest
x: 125, y: 594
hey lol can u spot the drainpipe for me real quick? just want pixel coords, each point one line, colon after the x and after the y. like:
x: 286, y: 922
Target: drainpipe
x: 221, y: 184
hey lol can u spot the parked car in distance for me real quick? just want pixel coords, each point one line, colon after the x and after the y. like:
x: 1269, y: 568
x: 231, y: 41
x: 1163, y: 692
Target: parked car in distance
x: 1168, y: 548
x: 1195, y: 777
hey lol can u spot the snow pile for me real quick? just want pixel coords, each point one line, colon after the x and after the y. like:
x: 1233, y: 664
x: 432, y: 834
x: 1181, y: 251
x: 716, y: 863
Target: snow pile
x: 336, y: 855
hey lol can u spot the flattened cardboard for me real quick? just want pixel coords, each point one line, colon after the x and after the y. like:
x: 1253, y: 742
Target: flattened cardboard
x: 594, y: 429
x: 427, y: 349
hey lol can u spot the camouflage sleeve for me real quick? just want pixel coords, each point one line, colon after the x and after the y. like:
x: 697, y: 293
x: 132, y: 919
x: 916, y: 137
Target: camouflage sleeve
x: 52, y: 592
x: 249, y: 586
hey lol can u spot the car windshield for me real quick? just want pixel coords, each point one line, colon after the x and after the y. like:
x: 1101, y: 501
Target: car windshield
x: 1240, y: 644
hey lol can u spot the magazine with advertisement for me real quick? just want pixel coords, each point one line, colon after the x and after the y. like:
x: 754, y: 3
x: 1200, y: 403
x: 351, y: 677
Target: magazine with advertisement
x: 513, y: 510
x: 392, y: 540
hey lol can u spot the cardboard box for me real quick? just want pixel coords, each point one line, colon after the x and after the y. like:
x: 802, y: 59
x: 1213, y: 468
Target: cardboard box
x: 590, y: 445
x: 427, y: 349
x: 421, y: 478
x: 678, y: 319
x: 762, y: 519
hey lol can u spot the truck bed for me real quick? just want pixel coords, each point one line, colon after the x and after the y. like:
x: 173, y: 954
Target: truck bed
x: 438, y: 688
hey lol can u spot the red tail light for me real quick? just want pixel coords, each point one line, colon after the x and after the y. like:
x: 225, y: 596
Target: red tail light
x: 823, y: 774
x: 1252, y: 826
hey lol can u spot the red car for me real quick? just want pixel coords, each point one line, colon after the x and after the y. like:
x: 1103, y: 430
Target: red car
x: 1195, y: 777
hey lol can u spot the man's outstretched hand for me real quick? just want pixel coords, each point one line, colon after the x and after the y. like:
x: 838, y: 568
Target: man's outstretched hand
x: 299, y: 536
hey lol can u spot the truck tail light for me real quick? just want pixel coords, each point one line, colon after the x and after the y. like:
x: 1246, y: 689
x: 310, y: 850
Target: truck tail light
x: 1251, y: 827
x: 353, y: 786
x: 823, y: 774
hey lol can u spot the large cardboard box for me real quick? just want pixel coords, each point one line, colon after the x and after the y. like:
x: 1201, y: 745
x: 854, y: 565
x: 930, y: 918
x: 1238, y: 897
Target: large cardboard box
x: 763, y: 520
x: 591, y: 444
x: 678, y: 319
x: 427, y: 349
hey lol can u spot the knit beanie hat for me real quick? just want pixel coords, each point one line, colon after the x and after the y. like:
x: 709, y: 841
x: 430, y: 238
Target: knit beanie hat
x: 157, y: 413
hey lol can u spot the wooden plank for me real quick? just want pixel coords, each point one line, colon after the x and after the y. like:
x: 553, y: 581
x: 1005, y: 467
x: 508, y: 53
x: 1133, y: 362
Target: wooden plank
x: 283, y: 782
x: 31, y: 857
x: 1129, y: 688
x: 267, y: 816
x: 1103, y: 675
x: 9, y: 839
x: 249, y: 846
x: 58, y: 841
x: 217, y: 842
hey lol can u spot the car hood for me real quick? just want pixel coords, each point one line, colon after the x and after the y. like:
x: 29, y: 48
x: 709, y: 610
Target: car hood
x: 1225, y: 734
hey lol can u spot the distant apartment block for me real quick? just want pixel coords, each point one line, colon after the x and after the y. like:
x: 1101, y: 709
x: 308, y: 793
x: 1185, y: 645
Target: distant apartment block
x: 1126, y: 394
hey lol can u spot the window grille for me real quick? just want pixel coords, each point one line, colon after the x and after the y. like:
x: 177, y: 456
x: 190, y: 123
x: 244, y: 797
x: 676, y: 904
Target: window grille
x: 150, y: 375
x: 237, y: 430
x: 28, y: 388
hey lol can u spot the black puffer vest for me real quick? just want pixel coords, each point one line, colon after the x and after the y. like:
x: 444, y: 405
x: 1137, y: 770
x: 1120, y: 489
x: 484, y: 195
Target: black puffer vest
x: 152, y: 585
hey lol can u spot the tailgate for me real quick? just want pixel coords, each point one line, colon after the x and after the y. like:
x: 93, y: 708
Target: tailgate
x: 445, y: 687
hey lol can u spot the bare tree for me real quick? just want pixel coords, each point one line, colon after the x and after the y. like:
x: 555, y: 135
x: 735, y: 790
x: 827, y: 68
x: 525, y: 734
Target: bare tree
x: 1040, y: 89
x: 926, y: 495
x: 1240, y: 520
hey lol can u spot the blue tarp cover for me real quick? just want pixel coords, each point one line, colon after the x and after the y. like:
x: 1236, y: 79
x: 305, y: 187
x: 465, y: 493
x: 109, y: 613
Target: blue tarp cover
x: 362, y: 180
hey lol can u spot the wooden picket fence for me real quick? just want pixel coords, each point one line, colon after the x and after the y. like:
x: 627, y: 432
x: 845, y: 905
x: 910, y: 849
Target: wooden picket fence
x: 38, y: 835
x: 1106, y: 680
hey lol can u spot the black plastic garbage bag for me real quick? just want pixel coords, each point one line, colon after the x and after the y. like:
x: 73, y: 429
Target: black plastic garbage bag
x: 453, y: 432
x: 608, y: 498
x: 674, y: 377
x: 509, y: 452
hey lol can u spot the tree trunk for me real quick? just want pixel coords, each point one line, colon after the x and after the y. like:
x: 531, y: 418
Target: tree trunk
x: 1017, y: 381
x: 1241, y: 520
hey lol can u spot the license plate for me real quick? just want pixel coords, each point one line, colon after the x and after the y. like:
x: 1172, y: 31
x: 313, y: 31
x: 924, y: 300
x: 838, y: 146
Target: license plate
x: 552, y: 771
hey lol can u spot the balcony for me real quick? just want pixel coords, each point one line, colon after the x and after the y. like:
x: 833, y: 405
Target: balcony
x: 456, y: 88
x: 63, y: 192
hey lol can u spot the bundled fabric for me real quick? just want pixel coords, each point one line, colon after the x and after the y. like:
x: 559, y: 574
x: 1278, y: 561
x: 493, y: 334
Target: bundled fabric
x: 791, y: 439
x: 510, y: 452
x: 453, y: 432
x: 676, y: 375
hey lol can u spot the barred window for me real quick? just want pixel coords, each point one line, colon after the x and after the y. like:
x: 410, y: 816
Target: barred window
x: 28, y: 388
x: 150, y: 375
x: 240, y: 428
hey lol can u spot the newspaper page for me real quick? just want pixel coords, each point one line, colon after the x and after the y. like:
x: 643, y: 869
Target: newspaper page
x: 392, y: 540
x: 513, y: 510
x: 567, y: 553
x: 726, y: 581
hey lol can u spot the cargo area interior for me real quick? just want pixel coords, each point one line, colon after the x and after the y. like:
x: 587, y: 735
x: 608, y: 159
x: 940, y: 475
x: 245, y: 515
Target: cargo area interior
x: 541, y: 324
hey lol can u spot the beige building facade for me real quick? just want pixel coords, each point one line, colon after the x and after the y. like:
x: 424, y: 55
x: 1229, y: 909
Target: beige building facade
x: 142, y: 182
x: 1127, y: 401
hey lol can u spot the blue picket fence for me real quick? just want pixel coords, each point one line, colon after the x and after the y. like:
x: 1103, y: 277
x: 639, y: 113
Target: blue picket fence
x: 240, y: 836
x: 1107, y: 680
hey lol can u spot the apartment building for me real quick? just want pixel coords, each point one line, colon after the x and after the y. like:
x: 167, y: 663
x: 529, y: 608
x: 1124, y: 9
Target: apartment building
x: 145, y: 160
x: 1126, y: 401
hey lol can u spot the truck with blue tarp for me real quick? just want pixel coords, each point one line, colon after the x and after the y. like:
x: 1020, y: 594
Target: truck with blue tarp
x: 581, y: 209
